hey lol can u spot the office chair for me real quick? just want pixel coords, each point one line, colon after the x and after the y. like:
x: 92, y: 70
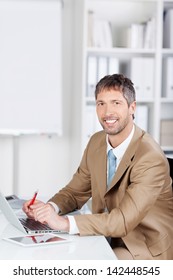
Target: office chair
x: 170, y: 160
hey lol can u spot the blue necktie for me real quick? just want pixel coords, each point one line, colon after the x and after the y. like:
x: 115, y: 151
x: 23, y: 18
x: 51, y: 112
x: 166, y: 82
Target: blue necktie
x: 111, y: 166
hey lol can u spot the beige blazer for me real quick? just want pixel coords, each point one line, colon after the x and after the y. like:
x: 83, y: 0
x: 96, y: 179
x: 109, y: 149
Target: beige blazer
x: 139, y: 201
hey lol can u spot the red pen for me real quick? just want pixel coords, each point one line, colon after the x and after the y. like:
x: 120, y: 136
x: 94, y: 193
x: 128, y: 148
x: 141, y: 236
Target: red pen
x: 33, y: 199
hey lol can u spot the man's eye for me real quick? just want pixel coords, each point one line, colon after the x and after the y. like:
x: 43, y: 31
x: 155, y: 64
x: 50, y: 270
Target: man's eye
x: 116, y: 103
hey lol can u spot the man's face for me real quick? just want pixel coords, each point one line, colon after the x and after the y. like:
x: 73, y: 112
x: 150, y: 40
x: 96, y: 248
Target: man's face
x: 113, y: 111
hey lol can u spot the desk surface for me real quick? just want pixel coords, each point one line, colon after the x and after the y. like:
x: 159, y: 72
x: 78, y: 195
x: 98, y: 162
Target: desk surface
x: 80, y: 248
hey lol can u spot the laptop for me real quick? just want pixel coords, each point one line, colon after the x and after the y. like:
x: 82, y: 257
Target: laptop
x: 26, y: 225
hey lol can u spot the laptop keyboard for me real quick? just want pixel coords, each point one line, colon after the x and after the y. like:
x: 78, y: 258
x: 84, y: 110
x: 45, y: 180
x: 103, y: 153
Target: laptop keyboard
x: 33, y: 225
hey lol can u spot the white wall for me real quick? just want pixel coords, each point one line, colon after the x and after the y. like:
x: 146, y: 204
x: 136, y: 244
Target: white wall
x: 6, y: 165
x: 40, y: 161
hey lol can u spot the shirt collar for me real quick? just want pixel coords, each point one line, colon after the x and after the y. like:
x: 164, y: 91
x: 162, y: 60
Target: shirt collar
x: 120, y: 149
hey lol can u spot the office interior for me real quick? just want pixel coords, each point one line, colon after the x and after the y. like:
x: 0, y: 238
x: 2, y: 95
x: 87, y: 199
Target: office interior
x: 48, y: 161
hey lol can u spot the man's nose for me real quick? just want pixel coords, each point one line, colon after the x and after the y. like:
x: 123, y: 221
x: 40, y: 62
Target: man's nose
x: 109, y: 110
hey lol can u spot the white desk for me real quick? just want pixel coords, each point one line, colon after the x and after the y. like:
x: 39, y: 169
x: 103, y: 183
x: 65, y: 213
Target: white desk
x: 81, y: 248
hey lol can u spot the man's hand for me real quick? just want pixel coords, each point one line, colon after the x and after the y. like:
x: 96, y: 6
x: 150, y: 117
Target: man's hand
x: 45, y: 213
x: 29, y: 210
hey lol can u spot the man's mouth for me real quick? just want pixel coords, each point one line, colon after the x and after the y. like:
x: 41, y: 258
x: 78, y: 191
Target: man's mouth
x: 112, y: 121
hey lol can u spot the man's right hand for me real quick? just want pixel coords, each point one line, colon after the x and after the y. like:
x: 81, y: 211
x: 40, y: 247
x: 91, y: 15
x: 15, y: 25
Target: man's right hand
x: 29, y: 210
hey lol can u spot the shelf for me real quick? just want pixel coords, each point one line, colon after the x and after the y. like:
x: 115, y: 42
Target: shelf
x: 113, y: 51
x: 122, y: 14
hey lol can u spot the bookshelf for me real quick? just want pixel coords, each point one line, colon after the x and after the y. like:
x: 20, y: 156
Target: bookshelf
x: 138, y: 45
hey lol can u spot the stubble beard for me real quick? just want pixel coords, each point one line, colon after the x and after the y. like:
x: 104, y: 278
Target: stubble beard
x: 113, y: 130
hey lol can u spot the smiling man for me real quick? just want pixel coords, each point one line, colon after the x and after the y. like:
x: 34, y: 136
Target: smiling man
x: 115, y: 109
x: 127, y: 175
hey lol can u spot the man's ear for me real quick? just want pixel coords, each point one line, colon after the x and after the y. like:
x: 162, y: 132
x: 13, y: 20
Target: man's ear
x: 132, y: 108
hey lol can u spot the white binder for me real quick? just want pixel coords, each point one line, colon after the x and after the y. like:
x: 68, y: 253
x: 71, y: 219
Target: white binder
x: 142, y: 75
x: 141, y: 116
x: 92, y: 123
x: 168, y: 77
x: 137, y: 35
x: 148, y: 77
x: 113, y: 65
x: 91, y: 75
x: 102, y: 67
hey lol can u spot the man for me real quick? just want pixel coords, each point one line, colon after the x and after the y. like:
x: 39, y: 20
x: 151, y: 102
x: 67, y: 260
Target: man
x: 134, y: 209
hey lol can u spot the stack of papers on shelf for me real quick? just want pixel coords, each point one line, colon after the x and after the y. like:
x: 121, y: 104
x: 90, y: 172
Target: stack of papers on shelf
x: 142, y: 35
x: 99, y: 32
x: 149, y: 36
x: 136, y: 36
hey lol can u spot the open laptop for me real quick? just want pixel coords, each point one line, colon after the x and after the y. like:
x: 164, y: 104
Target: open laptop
x: 26, y: 225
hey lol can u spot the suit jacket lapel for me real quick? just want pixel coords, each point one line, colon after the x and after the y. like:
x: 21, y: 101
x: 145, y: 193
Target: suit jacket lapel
x: 126, y: 160
x: 101, y: 165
